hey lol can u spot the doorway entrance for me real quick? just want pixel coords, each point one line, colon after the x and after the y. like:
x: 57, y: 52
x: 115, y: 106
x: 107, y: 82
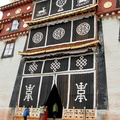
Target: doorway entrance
x: 52, y: 99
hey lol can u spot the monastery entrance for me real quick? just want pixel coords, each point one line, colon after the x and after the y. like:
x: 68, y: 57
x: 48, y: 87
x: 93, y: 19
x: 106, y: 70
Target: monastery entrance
x: 54, y: 98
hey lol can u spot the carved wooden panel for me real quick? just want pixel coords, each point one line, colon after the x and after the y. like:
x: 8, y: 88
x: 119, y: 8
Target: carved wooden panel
x: 19, y: 111
x: 68, y: 113
x: 90, y: 114
x: 34, y: 112
x: 79, y: 114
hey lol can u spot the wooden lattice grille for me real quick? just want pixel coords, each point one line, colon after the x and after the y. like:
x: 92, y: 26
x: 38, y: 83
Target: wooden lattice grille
x: 79, y: 114
x: 68, y: 114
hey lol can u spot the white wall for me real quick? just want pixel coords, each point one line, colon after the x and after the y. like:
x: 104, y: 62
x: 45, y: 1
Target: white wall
x: 8, y: 72
x: 112, y: 59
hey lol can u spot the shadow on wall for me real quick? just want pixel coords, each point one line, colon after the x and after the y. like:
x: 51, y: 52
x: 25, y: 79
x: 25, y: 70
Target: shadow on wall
x: 102, y: 80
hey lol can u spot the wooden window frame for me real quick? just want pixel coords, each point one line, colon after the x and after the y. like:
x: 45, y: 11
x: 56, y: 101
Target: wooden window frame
x: 18, y: 27
x: 8, y: 50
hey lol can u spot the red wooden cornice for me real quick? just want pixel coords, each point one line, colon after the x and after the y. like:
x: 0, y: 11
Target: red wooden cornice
x: 114, y: 12
x: 59, y: 48
x: 15, y: 4
x: 14, y: 35
x: 21, y: 15
x: 110, y: 11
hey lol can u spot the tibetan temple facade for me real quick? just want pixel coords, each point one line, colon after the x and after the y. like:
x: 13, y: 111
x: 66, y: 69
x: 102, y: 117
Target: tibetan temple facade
x: 13, y: 37
x: 60, y: 51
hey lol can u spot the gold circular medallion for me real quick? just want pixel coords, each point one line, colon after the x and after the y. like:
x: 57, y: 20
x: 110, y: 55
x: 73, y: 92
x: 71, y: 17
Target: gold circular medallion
x: 107, y: 4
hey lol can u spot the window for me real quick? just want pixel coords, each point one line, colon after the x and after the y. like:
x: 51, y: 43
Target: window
x: 1, y: 15
x: 8, y: 51
x: 15, y: 25
x: 117, y: 3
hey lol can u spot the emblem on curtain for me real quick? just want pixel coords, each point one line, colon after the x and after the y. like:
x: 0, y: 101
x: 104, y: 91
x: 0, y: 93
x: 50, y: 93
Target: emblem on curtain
x: 58, y: 33
x: 83, y: 28
x: 55, y: 65
x: 82, y: 2
x: 60, y: 4
x: 81, y: 62
x: 33, y: 67
x: 42, y: 12
x: 81, y: 92
x: 29, y: 90
x: 37, y: 37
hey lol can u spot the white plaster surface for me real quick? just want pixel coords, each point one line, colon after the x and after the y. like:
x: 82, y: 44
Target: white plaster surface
x: 112, y: 60
x: 8, y: 72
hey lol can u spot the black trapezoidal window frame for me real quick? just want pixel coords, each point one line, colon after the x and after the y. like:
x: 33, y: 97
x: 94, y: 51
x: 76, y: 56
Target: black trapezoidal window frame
x: 9, y: 45
x: 13, y: 25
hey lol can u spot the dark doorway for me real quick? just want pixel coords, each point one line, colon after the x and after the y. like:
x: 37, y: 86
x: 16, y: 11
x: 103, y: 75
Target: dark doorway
x: 52, y: 99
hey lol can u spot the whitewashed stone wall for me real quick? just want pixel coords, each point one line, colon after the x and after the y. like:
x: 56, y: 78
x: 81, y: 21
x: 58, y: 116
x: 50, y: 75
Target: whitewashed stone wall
x: 112, y: 60
x: 8, y: 72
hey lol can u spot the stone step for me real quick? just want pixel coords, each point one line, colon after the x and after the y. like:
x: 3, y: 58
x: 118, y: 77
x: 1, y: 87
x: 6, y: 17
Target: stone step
x: 54, y: 119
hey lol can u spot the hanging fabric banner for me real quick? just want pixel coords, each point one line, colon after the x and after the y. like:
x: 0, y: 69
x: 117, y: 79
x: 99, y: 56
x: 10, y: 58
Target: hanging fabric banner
x: 62, y: 86
x: 41, y: 9
x: 29, y: 92
x: 63, y: 33
x: 52, y: 7
x: 81, y: 3
x: 37, y: 37
x: 56, y: 65
x: 58, y: 34
x: 60, y: 6
x: 82, y: 62
x: 82, y: 91
x: 45, y: 89
x: 33, y: 67
x: 83, y: 29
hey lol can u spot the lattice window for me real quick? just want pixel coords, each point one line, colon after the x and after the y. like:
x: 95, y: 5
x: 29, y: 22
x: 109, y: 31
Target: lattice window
x: 15, y: 25
x: 8, y: 51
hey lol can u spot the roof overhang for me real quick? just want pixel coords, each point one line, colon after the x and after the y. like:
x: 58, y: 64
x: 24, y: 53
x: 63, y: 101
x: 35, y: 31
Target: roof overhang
x: 15, y: 4
x: 63, y: 15
x: 13, y: 35
x: 113, y: 12
x: 66, y: 47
